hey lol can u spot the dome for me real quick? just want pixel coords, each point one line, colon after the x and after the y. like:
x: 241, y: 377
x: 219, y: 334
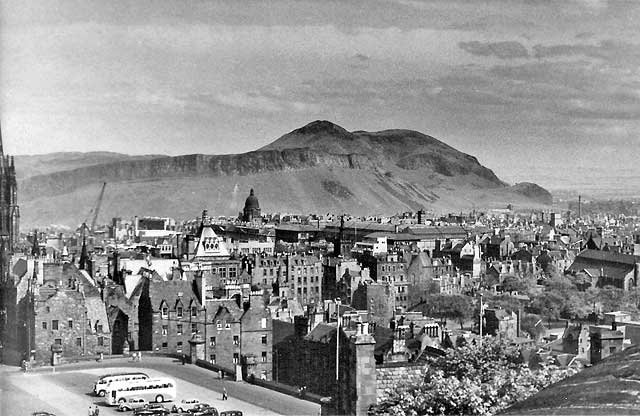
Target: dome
x: 251, y: 202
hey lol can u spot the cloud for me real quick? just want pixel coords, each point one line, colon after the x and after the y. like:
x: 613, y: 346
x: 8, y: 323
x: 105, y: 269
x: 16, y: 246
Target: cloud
x: 264, y: 103
x: 502, y: 50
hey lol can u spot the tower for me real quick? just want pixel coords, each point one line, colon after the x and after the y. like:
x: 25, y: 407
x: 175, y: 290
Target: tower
x: 251, y: 211
x: 9, y: 209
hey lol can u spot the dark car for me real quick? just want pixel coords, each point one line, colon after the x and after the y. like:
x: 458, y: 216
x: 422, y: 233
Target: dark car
x: 201, y: 407
x: 152, y: 409
x: 204, y: 411
x: 231, y: 413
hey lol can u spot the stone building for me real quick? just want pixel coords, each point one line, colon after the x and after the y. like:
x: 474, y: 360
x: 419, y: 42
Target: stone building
x: 269, y: 272
x: 378, y: 300
x: 251, y: 211
x: 501, y: 322
x: 304, y: 278
x: 169, y: 314
x: 604, y: 342
x: 9, y: 209
x: 426, y: 275
x: 56, y: 313
x: 239, y: 337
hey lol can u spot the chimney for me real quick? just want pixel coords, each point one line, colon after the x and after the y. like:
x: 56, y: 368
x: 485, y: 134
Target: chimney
x: 300, y: 324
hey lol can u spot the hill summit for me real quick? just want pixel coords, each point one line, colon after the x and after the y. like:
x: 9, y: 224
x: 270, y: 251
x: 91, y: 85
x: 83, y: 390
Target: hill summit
x: 320, y: 167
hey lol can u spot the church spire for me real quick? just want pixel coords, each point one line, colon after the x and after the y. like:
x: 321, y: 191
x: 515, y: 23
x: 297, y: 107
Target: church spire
x: 84, y: 258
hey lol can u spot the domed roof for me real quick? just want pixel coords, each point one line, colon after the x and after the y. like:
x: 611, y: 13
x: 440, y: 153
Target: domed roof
x: 251, y: 202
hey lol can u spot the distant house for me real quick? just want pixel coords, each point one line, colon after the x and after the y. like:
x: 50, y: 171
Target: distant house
x: 501, y: 322
x: 604, y: 342
x: 609, y: 268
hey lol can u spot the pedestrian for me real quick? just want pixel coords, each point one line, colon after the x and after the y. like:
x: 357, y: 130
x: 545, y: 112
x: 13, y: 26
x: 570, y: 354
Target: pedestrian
x: 224, y: 393
x: 97, y: 412
x: 184, y: 359
x: 90, y: 410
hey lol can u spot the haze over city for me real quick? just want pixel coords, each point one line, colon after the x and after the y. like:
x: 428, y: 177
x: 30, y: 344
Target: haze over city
x: 528, y: 87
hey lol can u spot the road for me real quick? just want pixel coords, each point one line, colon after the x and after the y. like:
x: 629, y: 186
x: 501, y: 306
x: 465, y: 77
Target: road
x: 68, y: 391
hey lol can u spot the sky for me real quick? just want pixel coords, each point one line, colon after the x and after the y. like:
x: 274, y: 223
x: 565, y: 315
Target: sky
x: 539, y: 90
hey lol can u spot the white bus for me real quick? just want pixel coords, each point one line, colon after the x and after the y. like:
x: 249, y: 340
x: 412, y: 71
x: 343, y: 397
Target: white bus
x: 101, y: 385
x: 152, y: 389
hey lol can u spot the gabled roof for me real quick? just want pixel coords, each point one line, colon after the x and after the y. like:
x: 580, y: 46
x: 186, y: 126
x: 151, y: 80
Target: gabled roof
x: 225, y: 306
x: 323, y: 333
x: 169, y: 291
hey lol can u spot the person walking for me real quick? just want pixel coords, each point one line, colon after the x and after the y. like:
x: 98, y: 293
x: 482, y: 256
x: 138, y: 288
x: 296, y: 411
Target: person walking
x: 224, y: 393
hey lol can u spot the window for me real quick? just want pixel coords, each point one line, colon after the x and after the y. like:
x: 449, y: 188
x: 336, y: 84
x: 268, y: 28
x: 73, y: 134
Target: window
x: 70, y: 323
x: 179, y: 329
x: 264, y: 339
x: 232, y: 272
x: 165, y: 330
x: 48, y: 309
x: 212, y: 341
x: 236, y: 358
x: 44, y: 324
x: 165, y: 345
x: 78, y: 342
x: 264, y: 356
x: 179, y: 346
x: 194, y: 312
x: 212, y: 358
x: 58, y: 341
x: 179, y: 312
x: 218, y: 325
x: 194, y: 328
x: 236, y: 340
x: 227, y: 326
x: 54, y: 324
x: 612, y: 350
x: 99, y: 328
x: 263, y: 323
x: 165, y: 312
x: 101, y: 341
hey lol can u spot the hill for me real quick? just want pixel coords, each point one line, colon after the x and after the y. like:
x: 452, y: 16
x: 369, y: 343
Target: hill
x: 320, y: 167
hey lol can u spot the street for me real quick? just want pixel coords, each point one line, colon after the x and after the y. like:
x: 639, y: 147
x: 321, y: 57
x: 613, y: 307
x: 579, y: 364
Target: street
x: 68, y: 391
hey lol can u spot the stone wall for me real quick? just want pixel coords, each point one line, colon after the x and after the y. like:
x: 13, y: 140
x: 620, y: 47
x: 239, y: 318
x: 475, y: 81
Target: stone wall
x: 390, y: 376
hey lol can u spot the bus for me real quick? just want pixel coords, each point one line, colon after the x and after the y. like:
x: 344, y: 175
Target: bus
x: 152, y: 389
x: 101, y: 385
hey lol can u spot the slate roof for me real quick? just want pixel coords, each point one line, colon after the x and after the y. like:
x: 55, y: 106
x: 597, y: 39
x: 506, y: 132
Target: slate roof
x: 323, y: 333
x: 613, y: 265
x: 608, y: 388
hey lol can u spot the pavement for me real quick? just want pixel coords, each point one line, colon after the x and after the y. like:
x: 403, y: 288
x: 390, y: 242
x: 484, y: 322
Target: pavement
x: 67, y: 389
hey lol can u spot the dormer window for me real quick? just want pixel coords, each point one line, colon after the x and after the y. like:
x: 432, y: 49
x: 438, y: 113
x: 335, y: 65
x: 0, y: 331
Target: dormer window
x: 165, y: 312
x: 179, y: 312
x: 194, y: 312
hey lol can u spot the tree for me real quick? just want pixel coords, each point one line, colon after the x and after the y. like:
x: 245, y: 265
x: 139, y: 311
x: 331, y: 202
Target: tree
x: 514, y: 284
x: 471, y: 380
x: 456, y: 307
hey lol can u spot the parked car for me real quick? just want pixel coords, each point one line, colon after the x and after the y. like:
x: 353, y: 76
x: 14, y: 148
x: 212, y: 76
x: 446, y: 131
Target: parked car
x: 203, y: 411
x: 153, y: 409
x: 231, y: 413
x: 42, y: 414
x: 187, y: 405
x: 133, y: 403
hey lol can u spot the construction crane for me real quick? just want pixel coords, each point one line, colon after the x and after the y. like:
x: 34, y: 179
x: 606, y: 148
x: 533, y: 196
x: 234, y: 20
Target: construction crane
x: 93, y: 214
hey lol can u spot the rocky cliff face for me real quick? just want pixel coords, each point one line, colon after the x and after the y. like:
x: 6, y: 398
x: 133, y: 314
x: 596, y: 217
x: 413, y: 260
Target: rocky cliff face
x: 318, y: 168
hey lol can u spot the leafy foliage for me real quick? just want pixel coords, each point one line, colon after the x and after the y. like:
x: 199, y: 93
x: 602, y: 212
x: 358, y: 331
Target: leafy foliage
x: 456, y: 307
x: 471, y: 380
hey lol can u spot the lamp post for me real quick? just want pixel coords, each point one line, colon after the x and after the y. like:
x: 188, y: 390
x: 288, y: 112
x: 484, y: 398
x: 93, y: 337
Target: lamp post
x: 338, y: 302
